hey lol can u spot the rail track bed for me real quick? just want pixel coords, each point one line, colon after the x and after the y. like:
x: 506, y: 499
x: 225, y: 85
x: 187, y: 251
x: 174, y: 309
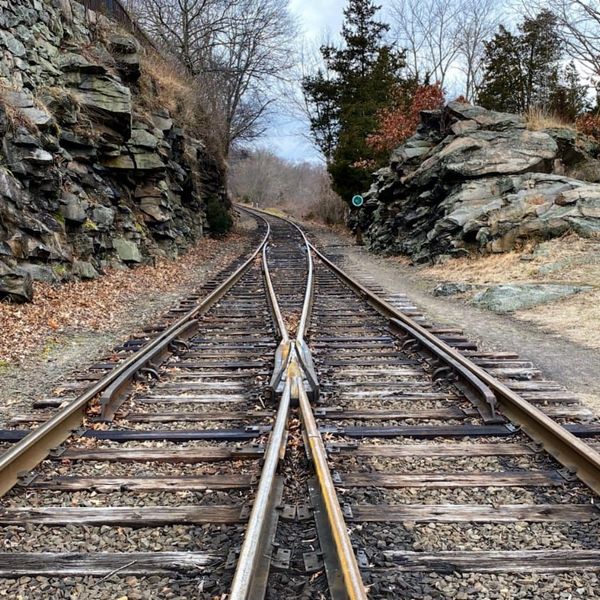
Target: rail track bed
x: 440, y: 503
x: 286, y: 433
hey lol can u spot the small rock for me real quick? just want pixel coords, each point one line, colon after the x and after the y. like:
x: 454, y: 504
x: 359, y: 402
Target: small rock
x: 39, y: 272
x: 126, y: 250
x: 84, y: 270
x: 508, y: 298
x: 453, y: 288
x: 15, y: 284
x: 40, y: 157
x: 73, y: 208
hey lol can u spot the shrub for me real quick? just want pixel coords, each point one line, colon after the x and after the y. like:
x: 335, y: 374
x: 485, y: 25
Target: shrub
x: 589, y: 125
x: 218, y: 217
x: 399, y: 122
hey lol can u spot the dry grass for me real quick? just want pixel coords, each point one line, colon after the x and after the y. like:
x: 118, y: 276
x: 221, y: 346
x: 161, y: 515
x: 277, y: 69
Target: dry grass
x: 573, y: 259
x: 538, y: 118
x: 575, y: 318
x: 15, y: 117
x: 568, y: 260
x: 492, y: 268
x: 166, y: 84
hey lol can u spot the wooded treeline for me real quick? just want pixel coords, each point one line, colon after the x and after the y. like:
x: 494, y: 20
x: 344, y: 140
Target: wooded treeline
x: 365, y: 98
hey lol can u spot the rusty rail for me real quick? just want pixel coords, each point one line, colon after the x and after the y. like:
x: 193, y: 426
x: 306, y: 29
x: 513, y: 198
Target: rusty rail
x: 34, y: 447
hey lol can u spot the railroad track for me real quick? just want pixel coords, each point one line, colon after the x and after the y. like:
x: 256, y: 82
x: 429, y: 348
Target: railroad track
x: 290, y: 434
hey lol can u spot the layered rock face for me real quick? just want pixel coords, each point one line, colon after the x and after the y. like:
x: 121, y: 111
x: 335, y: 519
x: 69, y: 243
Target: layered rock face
x: 472, y: 180
x: 92, y: 174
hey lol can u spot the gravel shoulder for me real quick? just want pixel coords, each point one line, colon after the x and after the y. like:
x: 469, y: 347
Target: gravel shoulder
x: 67, y: 329
x: 571, y: 363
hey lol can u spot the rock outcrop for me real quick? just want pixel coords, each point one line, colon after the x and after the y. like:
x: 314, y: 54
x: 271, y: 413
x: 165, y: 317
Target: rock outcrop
x: 472, y: 180
x: 91, y: 174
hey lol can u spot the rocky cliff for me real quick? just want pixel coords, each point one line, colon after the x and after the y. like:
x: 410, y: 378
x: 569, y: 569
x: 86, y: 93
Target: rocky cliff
x: 472, y: 180
x: 93, y: 173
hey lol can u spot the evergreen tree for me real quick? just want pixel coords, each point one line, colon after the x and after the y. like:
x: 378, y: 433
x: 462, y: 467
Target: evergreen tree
x: 570, y: 98
x: 523, y: 71
x: 346, y: 98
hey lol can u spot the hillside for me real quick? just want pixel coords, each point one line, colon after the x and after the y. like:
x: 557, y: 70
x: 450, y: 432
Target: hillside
x: 100, y: 166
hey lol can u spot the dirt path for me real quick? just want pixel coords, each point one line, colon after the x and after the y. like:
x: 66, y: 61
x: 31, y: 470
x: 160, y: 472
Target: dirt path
x: 576, y: 367
x: 67, y: 329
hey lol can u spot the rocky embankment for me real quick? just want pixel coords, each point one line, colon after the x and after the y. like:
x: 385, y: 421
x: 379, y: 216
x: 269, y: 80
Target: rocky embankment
x: 94, y: 173
x: 476, y: 181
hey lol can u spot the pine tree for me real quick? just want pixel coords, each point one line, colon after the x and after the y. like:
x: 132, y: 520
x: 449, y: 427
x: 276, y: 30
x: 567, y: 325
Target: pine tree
x: 570, y: 98
x: 346, y: 98
x: 523, y: 71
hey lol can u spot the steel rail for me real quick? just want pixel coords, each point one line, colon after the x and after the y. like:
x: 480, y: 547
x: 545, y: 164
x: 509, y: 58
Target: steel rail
x: 248, y: 576
x: 299, y: 366
x: 486, y: 403
x: 353, y: 582
x: 34, y: 447
x: 303, y: 353
x: 282, y: 353
x: 272, y: 298
x: 253, y: 547
x: 574, y: 454
x: 346, y: 559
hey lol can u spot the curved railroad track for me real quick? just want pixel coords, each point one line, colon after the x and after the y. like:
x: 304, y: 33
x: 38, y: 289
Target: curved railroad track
x: 287, y: 433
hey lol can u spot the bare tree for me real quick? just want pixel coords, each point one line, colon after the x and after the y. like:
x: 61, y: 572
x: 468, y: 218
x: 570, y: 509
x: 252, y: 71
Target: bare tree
x: 251, y: 59
x: 478, y: 20
x: 427, y: 29
x: 579, y: 25
x: 443, y: 37
x: 238, y: 51
x: 184, y: 28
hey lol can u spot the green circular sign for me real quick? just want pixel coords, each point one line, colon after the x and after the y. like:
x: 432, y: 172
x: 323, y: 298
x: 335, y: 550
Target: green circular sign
x: 358, y: 201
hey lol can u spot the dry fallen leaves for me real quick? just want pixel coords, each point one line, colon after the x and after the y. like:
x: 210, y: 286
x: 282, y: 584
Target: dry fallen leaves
x: 96, y: 305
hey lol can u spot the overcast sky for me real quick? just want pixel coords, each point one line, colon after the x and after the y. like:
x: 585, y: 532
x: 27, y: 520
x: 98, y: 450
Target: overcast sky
x: 287, y: 135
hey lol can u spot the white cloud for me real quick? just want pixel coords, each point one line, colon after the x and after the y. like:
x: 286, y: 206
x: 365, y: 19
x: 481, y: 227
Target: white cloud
x: 318, y: 16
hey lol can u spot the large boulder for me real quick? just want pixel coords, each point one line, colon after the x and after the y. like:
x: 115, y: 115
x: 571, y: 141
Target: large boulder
x: 473, y: 180
x: 483, y: 153
x: 508, y: 298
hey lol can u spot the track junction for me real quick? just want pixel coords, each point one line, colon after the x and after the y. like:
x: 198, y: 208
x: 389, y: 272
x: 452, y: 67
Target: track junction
x: 287, y: 432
